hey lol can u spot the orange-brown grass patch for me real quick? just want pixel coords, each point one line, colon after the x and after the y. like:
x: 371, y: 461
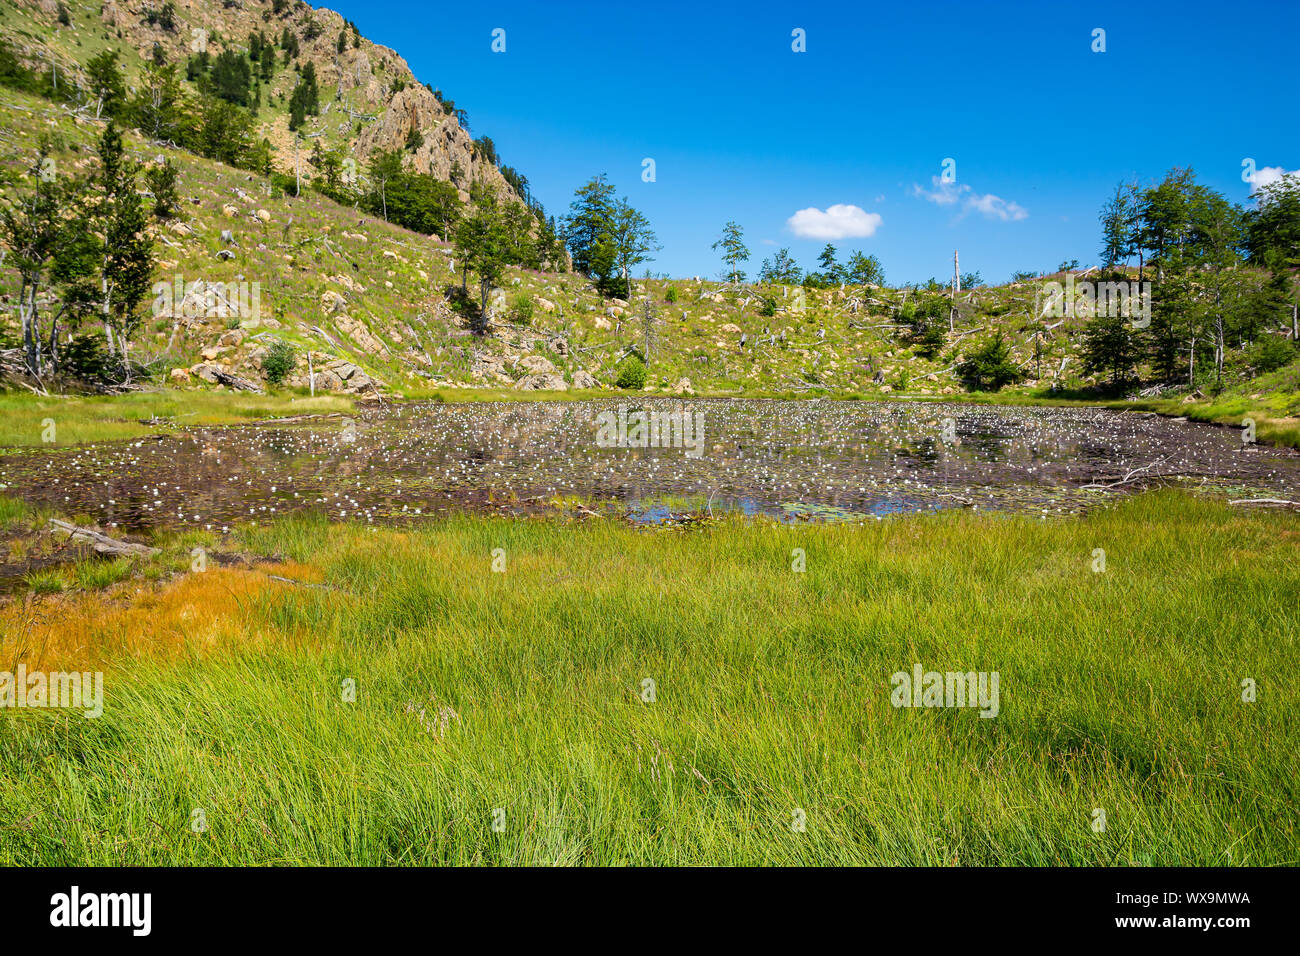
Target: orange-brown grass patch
x: 198, y: 613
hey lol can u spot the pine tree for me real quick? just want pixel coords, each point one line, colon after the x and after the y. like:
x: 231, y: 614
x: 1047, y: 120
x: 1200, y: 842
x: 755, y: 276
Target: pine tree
x: 128, y: 247
x: 590, y: 217
x: 734, y: 251
x: 106, y: 83
x: 1110, y: 348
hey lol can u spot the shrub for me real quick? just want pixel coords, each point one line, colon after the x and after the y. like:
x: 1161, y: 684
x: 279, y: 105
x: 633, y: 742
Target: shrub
x: 1269, y: 353
x: 988, y: 368
x: 85, y: 358
x: 926, y: 321
x: 928, y: 340
x: 521, y: 309
x: 631, y: 374
x: 670, y: 294
x: 282, y: 184
x: 279, y: 361
x: 162, y: 183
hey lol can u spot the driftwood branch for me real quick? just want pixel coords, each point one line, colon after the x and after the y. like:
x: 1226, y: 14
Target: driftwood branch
x: 235, y: 382
x: 102, y: 543
x: 1135, y: 474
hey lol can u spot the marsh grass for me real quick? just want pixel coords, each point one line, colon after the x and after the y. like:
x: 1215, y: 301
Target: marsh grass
x: 107, y: 417
x: 95, y: 574
x: 522, y: 691
x: 13, y: 512
x: 45, y: 581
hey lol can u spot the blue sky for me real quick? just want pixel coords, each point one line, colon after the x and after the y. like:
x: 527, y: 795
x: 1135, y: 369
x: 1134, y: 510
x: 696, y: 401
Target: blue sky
x: 740, y: 127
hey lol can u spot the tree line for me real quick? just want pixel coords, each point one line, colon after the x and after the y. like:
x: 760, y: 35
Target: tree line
x: 1225, y: 281
x: 84, y: 258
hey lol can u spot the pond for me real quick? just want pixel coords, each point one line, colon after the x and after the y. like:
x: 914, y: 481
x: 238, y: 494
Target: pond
x: 651, y: 459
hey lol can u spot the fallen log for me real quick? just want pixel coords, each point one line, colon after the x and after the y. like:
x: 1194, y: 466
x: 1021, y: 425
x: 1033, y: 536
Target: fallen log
x: 102, y: 543
x: 1274, y: 502
x: 235, y: 382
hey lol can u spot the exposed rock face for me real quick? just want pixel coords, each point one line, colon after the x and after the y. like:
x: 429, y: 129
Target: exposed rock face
x: 331, y: 301
x: 352, y: 378
x: 445, y: 142
x: 541, y: 381
x: 356, y: 85
x: 327, y: 381
x: 490, y: 368
x: 537, y: 365
x: 359, y: 334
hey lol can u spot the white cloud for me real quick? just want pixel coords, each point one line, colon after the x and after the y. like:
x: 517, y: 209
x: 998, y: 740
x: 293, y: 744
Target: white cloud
x: 950, y: 193
x: 1268, y: 175
x: 944, y: 193
x: 839, y: 221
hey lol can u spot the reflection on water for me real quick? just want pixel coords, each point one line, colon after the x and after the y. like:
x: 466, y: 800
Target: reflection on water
x: 812, y: 460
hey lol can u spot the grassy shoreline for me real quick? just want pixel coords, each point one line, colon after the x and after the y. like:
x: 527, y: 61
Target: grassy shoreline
x: 523, y: 691
x: 25, y: 417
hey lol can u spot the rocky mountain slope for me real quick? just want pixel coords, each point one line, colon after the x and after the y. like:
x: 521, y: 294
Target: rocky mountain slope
x: 370, y: 99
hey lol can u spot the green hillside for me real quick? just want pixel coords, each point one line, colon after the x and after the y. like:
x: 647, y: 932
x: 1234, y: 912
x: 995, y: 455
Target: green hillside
x: 371, y: 308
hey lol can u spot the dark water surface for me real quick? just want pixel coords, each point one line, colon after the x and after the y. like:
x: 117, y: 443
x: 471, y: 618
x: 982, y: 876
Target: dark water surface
x: 807, y: 459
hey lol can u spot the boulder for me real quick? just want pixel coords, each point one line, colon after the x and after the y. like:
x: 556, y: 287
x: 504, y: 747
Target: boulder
x: 344, y: 370
x: 328, y: 381
x: 536, y: 364
x: 541, y: 381
x: 331, y: 301
x: 358, y: 333
x: 179, y: 376
x: 584, y: 379
x: 491, y: 367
